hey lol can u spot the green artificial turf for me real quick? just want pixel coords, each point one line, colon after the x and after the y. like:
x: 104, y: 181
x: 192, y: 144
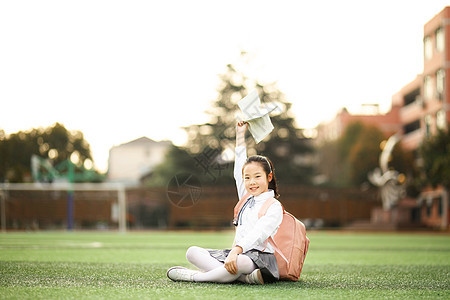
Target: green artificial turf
x: 100, y: 265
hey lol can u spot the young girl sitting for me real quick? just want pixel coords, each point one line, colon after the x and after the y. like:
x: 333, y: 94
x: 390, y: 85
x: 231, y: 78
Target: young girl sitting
x: 251, y: 260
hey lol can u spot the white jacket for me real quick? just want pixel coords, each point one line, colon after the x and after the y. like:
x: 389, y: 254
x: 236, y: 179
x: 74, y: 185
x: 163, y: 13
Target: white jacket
x: 253, y: 232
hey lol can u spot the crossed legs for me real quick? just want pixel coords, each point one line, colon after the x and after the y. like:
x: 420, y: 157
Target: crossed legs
x: 213, y: 270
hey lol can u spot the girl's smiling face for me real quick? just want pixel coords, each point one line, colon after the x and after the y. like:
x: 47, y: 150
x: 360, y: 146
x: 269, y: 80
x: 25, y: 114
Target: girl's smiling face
x: 256, y: 180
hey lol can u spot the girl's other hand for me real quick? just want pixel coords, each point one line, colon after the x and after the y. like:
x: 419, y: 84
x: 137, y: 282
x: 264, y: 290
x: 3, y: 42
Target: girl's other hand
x: 231, y: 260
x: 231, y: 263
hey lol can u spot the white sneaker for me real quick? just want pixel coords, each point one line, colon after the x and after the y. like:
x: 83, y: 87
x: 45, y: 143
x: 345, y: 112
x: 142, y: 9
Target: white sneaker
x: 254, y: 277
x: 181, y: 274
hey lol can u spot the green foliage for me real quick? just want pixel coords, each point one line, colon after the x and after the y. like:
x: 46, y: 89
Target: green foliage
x: 435, y: 154
x: 177, y: 161
x: 349, y: 138
x: 364, y: 154
x: 92, y: 265
x: 330, y: 166
x: 54, y: 142
x: 202, y: 165
x: 348, y: 160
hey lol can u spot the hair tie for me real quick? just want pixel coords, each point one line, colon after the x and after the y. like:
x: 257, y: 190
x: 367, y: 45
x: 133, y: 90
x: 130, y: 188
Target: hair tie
x: 270, y: 167
x: 258, y: 158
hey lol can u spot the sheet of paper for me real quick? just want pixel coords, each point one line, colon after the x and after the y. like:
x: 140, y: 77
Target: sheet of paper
x: 257, y: 115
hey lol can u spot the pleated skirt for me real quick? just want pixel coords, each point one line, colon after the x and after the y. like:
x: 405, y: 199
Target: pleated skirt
x: 266, y: 262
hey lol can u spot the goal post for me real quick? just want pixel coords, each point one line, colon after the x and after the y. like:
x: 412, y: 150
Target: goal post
x: 6, y: 188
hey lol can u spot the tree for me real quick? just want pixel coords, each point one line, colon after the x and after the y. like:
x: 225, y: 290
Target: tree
x: 338, y: 159
x: 348, y: 160
x: 210, y: 151
x: 435, y: 155
x: 329, y: 166
x: 364, y: 154
x: 177, y: 161
x: 55, y: 143
x: 286, y: 146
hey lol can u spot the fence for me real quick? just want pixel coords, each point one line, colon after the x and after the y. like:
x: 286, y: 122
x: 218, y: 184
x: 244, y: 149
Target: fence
x: 106, y: 206
x: 332, y: 207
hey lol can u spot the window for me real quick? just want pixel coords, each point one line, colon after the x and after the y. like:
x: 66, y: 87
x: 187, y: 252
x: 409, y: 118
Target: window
x: 427, y: 48
x: 428, y: 210
x: 439, y: 204
x: 440, y: 39
x: 410, y: 127
x: 427, y: 88
x: 428, y: 120
x: 440, y: 120
x: 440, y: 81
x: 415, y: 215
x: 411, y: 97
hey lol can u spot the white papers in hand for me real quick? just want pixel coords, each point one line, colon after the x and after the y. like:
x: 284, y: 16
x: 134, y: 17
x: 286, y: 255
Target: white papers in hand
x: 257, y: 115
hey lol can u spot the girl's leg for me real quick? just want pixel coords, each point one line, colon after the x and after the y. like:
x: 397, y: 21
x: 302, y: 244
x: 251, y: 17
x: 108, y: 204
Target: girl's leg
x: 220, y: 274
x: 201, y: 258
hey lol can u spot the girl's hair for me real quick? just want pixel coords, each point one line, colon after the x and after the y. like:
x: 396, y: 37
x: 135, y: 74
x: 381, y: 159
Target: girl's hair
x: 268, y: 168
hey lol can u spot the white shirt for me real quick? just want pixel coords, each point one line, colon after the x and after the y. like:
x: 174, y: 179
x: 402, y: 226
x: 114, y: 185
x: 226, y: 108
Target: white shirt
x: 254, y: 231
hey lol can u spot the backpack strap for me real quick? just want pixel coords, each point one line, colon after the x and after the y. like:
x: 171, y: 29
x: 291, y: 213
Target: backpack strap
x: 261, y: 213
x: 276, y: 248
x: 265, y: 207
x: 238, y: 207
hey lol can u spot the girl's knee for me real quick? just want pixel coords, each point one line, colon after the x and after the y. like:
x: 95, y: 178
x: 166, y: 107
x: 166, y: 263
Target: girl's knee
x: 191, y: 252
x: 245, y: 264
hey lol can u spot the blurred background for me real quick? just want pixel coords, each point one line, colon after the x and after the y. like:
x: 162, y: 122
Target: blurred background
x: 122, y: 115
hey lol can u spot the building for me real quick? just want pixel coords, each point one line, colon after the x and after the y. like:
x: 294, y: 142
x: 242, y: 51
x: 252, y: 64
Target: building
x: 419, y: 109
x: 129, y: 162
x: 411, y: 102
x: 425, y: 106
x: 425, y: 100
x: 388, y: 123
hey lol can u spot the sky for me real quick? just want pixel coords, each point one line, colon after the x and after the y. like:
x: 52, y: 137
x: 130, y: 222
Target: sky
x: 120, y: 70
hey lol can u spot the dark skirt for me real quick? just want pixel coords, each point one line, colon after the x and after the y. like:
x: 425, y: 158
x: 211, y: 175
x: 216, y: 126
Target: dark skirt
x: 266, y: 262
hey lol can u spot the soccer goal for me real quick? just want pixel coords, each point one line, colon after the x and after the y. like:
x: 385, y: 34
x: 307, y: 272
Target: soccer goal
x: 62, y: 205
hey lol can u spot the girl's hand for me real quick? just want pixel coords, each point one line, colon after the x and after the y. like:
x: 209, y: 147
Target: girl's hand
x: 231, y: 263
x: 241, y: 127
x: 240, y: 133
x: 231, y: 260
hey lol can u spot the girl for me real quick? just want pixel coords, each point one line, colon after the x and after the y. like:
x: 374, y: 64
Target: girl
x: 250, y: 260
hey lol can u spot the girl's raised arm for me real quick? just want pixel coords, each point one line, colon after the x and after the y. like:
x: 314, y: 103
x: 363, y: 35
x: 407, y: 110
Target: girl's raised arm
x: 240, y: 157
x: 241, y: 128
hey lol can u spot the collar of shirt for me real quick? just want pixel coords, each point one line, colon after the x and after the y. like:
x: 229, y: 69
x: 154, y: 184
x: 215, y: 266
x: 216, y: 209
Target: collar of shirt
x: 260, y: 199
x: 264, y: 196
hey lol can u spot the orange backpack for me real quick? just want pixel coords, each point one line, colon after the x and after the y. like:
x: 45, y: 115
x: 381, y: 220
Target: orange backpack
x: 290, y: 242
